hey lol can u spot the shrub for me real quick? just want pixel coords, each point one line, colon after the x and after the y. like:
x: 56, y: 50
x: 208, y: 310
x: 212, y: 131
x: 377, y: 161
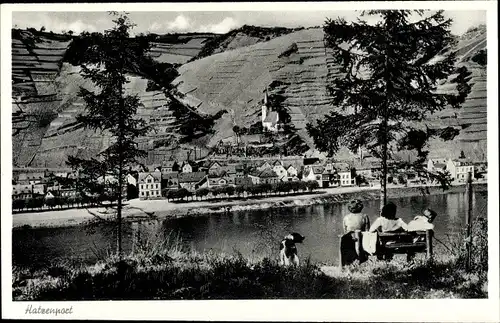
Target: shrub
x: 51, y: 202
x: 18, y: 204
x: 202, y: 192
x: 229, y: 190
x: 312, y: 185
x: 239, y: 190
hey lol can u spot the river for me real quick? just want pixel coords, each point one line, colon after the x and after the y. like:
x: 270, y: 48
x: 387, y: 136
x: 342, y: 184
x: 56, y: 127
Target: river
x: 254, y: 234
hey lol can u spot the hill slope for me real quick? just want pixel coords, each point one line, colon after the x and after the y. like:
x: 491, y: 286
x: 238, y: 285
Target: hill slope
x: 45, y: 99
x: 236, y: 80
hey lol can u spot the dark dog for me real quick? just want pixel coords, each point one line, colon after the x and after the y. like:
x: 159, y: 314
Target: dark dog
x: 288, y: 250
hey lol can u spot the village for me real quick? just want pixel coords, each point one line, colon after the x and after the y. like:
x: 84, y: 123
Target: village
x: 211, y: 177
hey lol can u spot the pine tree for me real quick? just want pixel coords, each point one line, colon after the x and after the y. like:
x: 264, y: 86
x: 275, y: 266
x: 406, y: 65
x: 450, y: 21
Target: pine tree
x: 110, y: 110
x: 389, y: 85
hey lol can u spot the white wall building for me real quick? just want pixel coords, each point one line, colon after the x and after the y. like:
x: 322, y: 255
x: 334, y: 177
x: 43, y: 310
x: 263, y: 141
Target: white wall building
x: 149, y: 185
x: 459, y: 168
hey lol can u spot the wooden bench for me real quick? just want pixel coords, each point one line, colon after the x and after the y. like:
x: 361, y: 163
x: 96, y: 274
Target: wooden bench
x: 388, y: 244
x: 408, y: 243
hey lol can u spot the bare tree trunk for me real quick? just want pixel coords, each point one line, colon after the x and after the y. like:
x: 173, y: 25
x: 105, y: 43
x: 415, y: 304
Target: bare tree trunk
x: 383, y: 179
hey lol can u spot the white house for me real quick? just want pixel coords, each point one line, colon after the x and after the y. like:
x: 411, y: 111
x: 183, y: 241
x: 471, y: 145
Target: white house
x: 459, y: 168
x: 434, y: 164
x: 149, y: 185
x: 279, y: 170
x: 313, y: 173
x: 131, y: 179
x: 344, y: 174
x: 291, y: 171
x: 187, y: 167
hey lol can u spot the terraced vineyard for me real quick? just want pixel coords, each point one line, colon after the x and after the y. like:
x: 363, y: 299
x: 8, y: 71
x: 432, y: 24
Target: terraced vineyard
x: 45, y: 100
x: 236, y: 80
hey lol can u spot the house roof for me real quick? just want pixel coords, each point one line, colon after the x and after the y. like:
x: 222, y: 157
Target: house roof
x: 277, y: 162
x: 169, y: 175
x: 272, y: 117
x: 462, y: 162
x: 216, y: 173
x: 318, y: 169
x: 191, y: 177
x: 439, y: 165
x: 155, y: 175
x: 189, y: 162
x: 54, y: 193
x: 169, y: 163
x: 266, y: 173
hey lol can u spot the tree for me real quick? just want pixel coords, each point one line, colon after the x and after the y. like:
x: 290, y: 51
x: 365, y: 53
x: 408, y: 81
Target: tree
x: 109, y: 109
x: 388, y: 85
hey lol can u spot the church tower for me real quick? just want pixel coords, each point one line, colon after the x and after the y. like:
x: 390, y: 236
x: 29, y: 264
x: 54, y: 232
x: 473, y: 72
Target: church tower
x: 264, y: 106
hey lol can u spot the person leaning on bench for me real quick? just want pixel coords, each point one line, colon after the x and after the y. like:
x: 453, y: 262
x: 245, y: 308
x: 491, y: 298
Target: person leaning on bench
x: 388, y: 222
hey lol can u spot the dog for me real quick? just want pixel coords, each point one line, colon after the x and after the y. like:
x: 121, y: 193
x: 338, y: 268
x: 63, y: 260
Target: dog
x: 288, y: 249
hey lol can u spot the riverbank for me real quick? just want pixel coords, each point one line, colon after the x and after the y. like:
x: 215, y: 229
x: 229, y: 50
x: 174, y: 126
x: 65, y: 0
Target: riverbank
x: 135, y: 209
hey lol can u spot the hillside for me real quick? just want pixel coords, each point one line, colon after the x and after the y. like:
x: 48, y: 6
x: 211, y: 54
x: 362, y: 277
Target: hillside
x: 236, y: 80
x: 45, y: 103
x: 296, y: 64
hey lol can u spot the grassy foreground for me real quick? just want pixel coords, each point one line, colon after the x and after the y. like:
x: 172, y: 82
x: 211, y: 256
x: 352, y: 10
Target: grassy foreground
x: 212, y: 276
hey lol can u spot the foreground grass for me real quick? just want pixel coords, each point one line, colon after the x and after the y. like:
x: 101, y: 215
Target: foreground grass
x: 215, y: 276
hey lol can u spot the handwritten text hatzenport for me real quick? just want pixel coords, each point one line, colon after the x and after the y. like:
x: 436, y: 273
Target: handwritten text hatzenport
x: 48, y: 310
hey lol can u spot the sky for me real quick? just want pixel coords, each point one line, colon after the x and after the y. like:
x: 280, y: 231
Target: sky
x: 207, y: 21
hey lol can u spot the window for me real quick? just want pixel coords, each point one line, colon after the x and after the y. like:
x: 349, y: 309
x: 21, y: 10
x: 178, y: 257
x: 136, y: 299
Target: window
x: 156, y: 185
x: 317, y: 177
x: 149, y: 180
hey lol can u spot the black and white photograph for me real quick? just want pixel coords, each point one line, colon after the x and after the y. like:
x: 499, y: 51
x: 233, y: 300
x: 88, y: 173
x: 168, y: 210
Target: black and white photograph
x: 208, y: 152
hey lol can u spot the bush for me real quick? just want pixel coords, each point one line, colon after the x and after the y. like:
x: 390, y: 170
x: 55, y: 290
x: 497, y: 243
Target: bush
x: 229, y: 190
x: 202, y: 192
x: 312, y: 185
x: 51, y: 202
x: 239, y: 190
x: 18, y: 204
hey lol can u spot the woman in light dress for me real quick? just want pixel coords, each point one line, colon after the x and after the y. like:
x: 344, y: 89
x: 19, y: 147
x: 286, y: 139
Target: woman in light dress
x: 387, y: 221
x: 355, y: 220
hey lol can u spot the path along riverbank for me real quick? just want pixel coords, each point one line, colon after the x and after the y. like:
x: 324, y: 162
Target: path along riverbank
x: 136, y: 209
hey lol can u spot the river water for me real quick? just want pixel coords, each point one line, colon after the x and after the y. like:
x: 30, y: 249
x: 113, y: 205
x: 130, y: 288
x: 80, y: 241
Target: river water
x: 254, y: 234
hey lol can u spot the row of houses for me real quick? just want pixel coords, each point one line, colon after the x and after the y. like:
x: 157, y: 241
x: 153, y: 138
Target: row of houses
x: 211, y: 174
x: 191, y: 175
x: 458, y: 168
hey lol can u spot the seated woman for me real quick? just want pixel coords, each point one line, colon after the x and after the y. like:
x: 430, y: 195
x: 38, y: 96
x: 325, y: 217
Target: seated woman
x: 355, y: 220
x: 423, y: 222
x: 387, y: 221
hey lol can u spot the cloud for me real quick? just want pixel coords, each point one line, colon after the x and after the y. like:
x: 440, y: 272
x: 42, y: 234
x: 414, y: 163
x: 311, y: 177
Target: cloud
x: 180, y: 23
x: 222, y: 27
x: 52, y: 23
